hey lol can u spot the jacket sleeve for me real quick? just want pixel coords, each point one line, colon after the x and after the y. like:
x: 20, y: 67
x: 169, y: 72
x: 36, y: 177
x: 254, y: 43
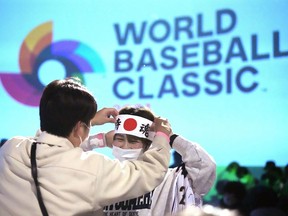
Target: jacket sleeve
x: 94, y: 141
x: 200, y: 166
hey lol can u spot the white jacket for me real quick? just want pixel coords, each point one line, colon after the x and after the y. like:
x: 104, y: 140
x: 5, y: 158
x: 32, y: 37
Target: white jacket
x: 73, y: 182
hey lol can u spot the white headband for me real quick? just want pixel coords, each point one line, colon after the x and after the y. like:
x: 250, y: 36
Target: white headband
x: 134, y: 125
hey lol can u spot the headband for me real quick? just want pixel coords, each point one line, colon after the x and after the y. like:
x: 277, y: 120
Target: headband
x: 134, y: 125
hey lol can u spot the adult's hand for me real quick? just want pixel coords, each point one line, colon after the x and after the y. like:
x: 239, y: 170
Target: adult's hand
x: 105, y: 115
x: 162, y: 125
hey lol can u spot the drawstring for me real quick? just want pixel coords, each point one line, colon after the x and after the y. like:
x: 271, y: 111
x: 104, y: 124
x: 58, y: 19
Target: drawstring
x: 34, y: 175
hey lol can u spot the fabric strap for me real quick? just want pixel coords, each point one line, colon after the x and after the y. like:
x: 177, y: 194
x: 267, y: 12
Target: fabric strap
x: 34, y: 175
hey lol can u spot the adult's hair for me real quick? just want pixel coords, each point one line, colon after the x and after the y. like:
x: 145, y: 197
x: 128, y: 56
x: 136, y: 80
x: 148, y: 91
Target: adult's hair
x: 63, y: 104
x: 142, y: 112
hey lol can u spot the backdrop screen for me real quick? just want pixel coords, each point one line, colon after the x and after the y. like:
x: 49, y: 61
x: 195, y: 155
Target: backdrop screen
x: 216, y: 69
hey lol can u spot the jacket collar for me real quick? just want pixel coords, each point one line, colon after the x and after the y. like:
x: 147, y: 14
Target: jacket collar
x: 50, y: 139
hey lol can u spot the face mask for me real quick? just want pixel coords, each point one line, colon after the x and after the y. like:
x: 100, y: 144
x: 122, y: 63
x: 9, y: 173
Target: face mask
x: 86, y: 139
x: 83, y: 142
x: 126, y: 154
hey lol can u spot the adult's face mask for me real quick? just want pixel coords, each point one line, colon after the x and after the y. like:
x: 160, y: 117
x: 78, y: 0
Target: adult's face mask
x: 83, y: 142
x: 86, y: 139
x: 126, y: 154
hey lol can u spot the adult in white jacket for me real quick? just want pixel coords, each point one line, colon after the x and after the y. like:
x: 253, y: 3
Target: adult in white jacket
x: 71, y: 181
x: 182, y: 187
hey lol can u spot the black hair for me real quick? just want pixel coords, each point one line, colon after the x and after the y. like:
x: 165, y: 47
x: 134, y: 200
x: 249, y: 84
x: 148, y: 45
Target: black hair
x: 63, y: 104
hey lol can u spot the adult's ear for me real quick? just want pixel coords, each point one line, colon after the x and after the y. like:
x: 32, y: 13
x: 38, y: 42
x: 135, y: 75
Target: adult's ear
x: 76, y: 129
x: 75, y: 133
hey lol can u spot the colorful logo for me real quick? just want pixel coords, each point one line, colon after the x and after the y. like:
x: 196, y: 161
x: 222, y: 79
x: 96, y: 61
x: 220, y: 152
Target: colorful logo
x: 76, y: 57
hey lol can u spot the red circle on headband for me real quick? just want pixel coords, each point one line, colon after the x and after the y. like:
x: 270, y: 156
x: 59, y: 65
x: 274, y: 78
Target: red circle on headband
x: 130, y: 124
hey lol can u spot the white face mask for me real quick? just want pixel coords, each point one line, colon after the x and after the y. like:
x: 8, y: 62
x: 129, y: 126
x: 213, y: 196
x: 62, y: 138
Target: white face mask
x: 83, y: 142
x: 126, y: 154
